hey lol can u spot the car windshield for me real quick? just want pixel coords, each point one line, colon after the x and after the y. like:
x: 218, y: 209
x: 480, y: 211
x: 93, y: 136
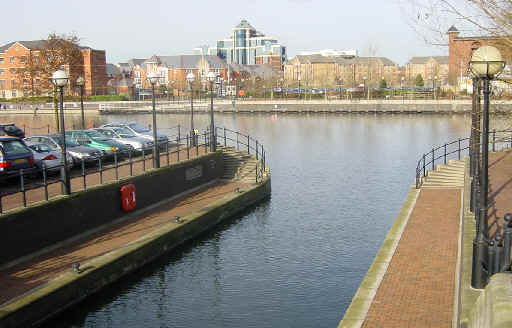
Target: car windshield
x: 14, y: 147
x: 124, y: 132
x: 138, y: 128
x: 96, y: 136
x: 69, y: 142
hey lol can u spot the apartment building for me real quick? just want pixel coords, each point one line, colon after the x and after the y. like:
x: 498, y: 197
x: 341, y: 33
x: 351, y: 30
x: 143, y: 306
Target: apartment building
x: 433, y: 70
x: 21, y: 54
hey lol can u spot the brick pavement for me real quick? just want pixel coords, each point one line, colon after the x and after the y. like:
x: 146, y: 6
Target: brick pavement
x: 31, y: 274
x: 417, y: 290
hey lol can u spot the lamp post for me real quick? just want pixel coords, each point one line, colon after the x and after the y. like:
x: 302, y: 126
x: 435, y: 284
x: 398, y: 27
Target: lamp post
x: 364, y: 85
x: 401, y: 87
x: 81, y: 82
x: 434, y: 87
x: 486, y: 63
x: 153, y: 79
x: 190, y: 80
x: 213, y: 143
x: 60, y: 79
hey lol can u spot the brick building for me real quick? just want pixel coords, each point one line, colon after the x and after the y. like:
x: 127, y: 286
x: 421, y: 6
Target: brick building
x: 460, y: 51
x: 318, y: 71
x: 433, y: 70
x: 21, y: 54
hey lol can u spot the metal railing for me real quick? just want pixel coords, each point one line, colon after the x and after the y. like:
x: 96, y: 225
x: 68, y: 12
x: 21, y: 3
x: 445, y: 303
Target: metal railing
x: 457, y: 149
x: 244, y: 142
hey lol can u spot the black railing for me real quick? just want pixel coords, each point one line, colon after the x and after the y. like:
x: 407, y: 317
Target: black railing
x: 16, y: 188
x: 244, y: 142
x: 457, y: 149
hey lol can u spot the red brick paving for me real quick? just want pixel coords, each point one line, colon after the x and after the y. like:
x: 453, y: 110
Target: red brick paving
x: 28, y: 275
x: 418, y: 287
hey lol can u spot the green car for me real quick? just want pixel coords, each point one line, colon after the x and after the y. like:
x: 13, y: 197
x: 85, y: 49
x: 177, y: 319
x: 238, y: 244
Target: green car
x: 94, y: 139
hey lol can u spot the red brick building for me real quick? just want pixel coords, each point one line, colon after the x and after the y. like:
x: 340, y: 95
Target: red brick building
x: 460, y: 51
x: 19, y: 54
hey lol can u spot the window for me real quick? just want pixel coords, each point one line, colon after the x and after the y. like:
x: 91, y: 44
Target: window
x: 36, y: 59
x: 1, y: 60
x: 38, y: 81
x: 13, y: 93
x: 12, y: 70
x: 25, y: 82
x: 11, y: 60
x: 2, y: 72
x: 23, y: 59
x: 2, y: 85
x: 13, y: 83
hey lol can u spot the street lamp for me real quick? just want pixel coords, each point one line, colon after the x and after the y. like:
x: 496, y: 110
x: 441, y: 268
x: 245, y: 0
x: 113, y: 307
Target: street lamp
x: 81, y: 82
x: 153, y: 79
x: 434, y: 87
x: 60, y: 79
x: 190, y: 79
x: 486, y: 63
x: 213, y: 142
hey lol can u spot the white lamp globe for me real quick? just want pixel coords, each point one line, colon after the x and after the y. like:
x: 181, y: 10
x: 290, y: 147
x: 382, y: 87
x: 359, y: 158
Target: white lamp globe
x: 153, y: 78
x: 80, y: 81
x: 190, y: 77
x: 486, y: 62
x: 211, y: 76
x: 60, y: 78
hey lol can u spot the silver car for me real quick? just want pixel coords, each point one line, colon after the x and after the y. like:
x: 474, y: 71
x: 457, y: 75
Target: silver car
x: 139, y: 131
x: 127, y: 137
x: 44, y: 154
x: 77, y: 152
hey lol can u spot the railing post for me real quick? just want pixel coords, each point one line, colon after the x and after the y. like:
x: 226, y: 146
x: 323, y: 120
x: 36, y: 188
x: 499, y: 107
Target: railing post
x: 445, y: 154
x: 424, y: 164
x: 48, y: 128
x: 225, y: 140
x: 178, y: 149
x: 494, y: 140
x: 22, y: 186
x: 459, y: 149
x: 167, y: 152
x: 491, y: 258
x: 179, y: 132
x: 84, y: 177
x: 144, y: 160
x: 188, y: 149
x: 433, y: 159
x: 115, y: 165
x: 499, y: 254
x: 45, y: 181
x: 237, y: 143
x: 248, y: 141
x: 256, y: 149
x: 507, y: 239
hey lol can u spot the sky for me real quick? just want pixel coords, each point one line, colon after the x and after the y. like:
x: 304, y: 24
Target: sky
x: 139, y: 29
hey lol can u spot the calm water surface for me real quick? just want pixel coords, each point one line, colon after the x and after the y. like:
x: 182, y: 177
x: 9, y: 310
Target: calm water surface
x: 296, y: 260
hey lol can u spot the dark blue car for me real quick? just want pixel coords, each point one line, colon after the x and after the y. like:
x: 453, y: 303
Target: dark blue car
x: 14, y: 155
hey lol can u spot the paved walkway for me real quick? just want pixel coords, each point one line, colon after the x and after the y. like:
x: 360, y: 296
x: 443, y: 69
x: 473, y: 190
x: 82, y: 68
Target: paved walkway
x: 418, y: 287
x: 34, y: 273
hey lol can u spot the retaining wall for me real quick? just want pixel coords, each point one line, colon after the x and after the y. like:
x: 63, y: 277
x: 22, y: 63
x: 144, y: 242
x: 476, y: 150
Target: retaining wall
x: 44, y: 224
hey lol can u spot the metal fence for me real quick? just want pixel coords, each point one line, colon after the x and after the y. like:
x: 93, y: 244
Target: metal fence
x: 457, y: 149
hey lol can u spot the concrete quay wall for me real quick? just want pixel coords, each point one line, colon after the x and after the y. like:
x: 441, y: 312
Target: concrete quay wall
x: 42, y: 225
x: 69, y: 288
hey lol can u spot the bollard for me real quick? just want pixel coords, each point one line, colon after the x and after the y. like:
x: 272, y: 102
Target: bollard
x: 506, y: 241
x: 498, y: 260
x: 491, y: 257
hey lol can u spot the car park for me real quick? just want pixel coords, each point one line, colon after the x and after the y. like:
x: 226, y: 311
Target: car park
x: 44, y: 155
x: 127, y: 137
x: 92, y: 138
x: 78, y: 152
x: 14, y: 156
x: 10, y: 129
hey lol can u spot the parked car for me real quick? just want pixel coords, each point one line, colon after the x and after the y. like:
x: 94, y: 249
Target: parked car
x: 139, y: 131
x: 127, y: 137
x: 92, y: 138
x: 14, y: 155
x: 44, y: 154
x: 10, y: 129
x: 77, y: 151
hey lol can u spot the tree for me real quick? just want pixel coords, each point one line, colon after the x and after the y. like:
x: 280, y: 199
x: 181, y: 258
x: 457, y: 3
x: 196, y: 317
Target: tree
x: 383, y: 84
x: 419, y: 81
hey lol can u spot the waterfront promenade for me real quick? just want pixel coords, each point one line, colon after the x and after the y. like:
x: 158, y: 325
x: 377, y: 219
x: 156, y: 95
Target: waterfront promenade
x: 420, y: 277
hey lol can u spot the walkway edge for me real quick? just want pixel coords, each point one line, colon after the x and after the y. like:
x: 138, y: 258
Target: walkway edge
x: 70, y: 288
x: 356, y: 313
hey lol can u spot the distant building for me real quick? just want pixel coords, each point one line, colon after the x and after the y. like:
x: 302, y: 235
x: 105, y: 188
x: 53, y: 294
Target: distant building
x: 247, y: 46
x: 331, y: 53
x: 19, y: 54
x: 431, y: 68
x: 319, y: 71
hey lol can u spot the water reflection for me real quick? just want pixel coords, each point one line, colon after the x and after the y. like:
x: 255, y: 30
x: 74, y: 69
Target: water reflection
x: 338, y: 182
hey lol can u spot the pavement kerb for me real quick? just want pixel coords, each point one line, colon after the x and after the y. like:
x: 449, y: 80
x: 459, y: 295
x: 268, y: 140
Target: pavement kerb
x: 107, y: 268
x: 356, y: 313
